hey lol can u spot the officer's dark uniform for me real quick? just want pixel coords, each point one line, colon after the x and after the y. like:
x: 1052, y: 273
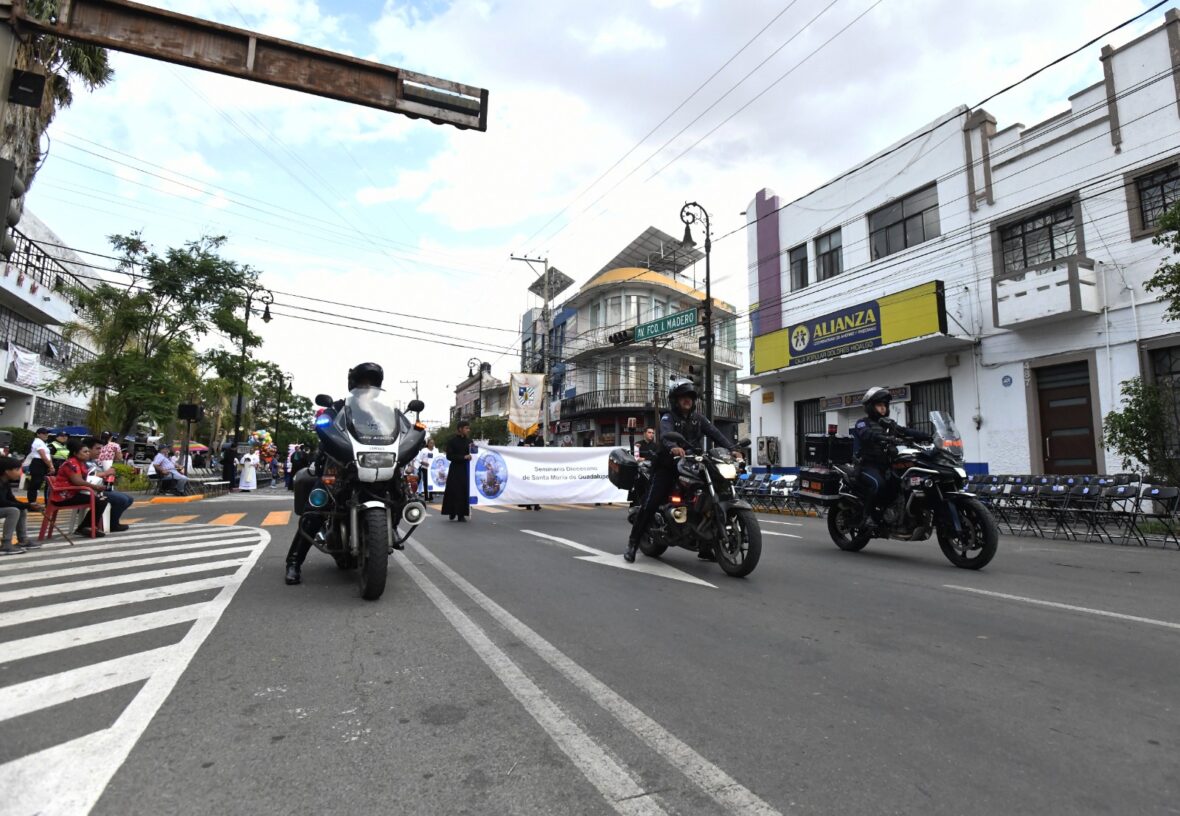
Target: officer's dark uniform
x: 878, y: 437
x: 694, y: 427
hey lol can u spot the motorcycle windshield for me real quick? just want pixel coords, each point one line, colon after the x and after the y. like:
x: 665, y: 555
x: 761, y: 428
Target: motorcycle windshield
x: 371, y: 418
x: 946, y: 434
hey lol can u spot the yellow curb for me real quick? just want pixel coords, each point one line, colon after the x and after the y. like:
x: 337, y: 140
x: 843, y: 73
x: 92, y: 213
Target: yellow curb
x: 176, y: 499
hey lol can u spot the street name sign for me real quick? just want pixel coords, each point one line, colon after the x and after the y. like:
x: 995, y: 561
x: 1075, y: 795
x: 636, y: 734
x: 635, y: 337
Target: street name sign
x: 666, y: 325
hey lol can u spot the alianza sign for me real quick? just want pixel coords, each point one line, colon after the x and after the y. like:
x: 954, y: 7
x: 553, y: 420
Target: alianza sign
x: 904, y: 315
x: 666, y: 325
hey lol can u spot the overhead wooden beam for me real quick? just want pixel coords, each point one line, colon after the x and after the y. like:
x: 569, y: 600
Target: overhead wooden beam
x: 183, y: 40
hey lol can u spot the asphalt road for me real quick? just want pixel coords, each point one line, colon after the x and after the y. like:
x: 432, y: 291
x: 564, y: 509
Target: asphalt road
x: 512, y: 668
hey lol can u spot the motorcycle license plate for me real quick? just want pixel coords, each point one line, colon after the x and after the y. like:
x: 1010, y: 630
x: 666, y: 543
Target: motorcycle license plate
x: 915, y: 480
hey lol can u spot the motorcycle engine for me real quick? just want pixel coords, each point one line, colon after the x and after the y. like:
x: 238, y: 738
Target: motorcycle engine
x: 894, y: 513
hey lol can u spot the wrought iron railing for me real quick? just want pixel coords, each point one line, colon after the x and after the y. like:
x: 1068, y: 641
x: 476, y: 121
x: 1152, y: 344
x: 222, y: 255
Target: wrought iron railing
x: 644, y: 398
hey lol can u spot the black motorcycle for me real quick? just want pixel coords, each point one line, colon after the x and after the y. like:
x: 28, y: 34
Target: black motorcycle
x: 929, y: 499
x: 702, y: 510
x: 354, y: 500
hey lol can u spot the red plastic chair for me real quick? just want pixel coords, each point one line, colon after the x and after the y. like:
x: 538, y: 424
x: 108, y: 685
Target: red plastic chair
x: 57, y: 494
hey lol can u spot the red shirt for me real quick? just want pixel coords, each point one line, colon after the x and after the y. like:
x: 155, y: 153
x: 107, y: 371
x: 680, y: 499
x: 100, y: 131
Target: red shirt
x: 67, y: 468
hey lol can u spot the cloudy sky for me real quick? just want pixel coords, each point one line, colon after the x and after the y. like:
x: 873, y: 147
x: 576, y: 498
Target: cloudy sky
x: 604, y: 119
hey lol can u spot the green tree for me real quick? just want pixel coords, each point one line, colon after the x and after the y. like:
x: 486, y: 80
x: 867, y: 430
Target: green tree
x: 143, y: 329
x: 493, y: 429
x: 64, y: 64
x: 1142, y: 432
x: 1166, y: 280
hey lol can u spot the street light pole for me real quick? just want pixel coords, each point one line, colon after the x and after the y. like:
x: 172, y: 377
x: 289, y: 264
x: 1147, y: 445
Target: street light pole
x: 265, y: 296
x: 478, y: 364
x: 546, y: 328
x: 690, y: 213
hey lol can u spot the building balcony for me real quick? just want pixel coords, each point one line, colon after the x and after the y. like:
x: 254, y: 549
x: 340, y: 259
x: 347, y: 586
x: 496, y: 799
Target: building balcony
x: 594, y: 341
x: 616, y: 399
x: 35, y: 284
x: 1055, y: 290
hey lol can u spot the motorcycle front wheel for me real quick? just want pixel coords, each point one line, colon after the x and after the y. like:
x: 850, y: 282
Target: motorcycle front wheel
x: 739, y: 553
x: 976, y: 545
x: 843, y: 521
x: 374, y: 561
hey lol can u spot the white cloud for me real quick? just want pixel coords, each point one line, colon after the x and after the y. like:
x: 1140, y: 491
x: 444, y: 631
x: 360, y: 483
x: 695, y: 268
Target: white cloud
x: 621, y: 35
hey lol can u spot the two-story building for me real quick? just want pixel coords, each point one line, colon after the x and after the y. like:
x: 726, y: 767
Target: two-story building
x: 34, y: 305
x: 480, y: 395
x: 997, y: 274
x: 608, y: 384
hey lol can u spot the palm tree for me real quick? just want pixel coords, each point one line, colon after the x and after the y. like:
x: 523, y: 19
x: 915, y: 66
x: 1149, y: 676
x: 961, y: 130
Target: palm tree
x: 64, y: 63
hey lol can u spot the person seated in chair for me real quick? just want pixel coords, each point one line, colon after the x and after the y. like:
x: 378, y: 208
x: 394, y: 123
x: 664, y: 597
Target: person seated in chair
x: 104, y: 480
x: 74, y: 492
x: 168, y: 472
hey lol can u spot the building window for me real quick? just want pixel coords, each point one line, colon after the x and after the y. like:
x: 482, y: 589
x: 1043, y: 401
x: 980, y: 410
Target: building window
x: 829, y: 261
x: 1165, y: 368
x: 904, y: 223
x: 798, y: 259
x: 57, y: 414
x: 1158, y: 192
x: 1046, y: 236
x: 596, y: 315
x: 809, y: 419
x: 931, y: 395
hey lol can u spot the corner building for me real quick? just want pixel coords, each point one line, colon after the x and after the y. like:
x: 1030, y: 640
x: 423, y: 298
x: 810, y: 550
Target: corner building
x: 997, y: 274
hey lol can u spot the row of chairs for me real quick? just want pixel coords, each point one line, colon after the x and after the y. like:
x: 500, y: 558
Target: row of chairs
x: 773, y: 493
x: 1118, y: 508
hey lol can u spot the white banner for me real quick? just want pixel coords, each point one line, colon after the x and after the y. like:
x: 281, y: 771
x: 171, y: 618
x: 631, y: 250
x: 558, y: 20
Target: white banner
x: 526, y: 475
x: 526, y: 395
x: 25, y: 367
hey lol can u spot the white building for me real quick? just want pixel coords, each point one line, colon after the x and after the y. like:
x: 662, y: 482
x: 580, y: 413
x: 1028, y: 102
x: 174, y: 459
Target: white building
x: 997, y: 274
x: 33, y: 308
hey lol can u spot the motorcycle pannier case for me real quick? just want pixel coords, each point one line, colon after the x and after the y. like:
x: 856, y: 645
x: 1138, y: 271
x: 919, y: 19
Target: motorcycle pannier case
x: 818, y: 484
x: 622, y: 469
x: 826, y: 449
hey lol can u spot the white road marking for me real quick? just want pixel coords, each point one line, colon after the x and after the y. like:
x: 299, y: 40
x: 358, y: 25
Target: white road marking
x: 114, y: 549
x: 58, y: 610
x: 785, y: 523
x: 70, y: 777
x: 95, y: 632
x: 84, y: 569
x: 215, y: 545
x: 621, y: 791
x: 648, y: 566
x: 716, y: 783
x: 1069, y: 607
x: 115, y: 580
x: 781, y: 535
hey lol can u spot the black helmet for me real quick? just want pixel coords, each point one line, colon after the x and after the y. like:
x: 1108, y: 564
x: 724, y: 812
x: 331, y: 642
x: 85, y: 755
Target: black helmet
x: 684, y: 388
x: 875, y: 395
x: 365, y: 374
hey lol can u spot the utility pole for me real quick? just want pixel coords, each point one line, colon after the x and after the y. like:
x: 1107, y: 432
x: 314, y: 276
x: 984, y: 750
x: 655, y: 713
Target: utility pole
x: 267, y: 298
x: 415, y: 384
x: 544, y: 339
x: 690, y: 213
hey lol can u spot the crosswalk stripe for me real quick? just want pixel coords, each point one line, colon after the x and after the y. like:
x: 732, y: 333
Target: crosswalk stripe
x: 84, y: 569
x: 115, y: 580
x: 228, y: 519
x: 131, y: 520
x: 487, y: 509
x: 134, y: 596
x: 556, y: 508
x: 179, y: 519
x: 277, y: 518
x: 214, y: 547
x: 45, y: 692
x: 107, y: 630
x: 58, y: 555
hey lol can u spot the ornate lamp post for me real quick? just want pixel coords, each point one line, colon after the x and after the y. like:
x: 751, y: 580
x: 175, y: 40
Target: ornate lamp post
x: 690, y: 213
x: 473, y: 365
x: 265, y: 297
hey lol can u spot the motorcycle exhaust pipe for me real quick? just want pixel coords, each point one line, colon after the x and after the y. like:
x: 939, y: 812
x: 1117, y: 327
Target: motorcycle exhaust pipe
x: 414, y: 513
x: 678, y: 514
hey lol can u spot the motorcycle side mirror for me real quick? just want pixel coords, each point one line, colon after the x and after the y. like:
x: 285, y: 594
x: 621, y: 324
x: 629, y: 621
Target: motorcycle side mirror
x: 672, y: 436
x: 323, y: 400
x: 416, y: 406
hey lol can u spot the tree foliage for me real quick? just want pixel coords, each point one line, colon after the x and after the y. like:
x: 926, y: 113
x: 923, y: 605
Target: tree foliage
x: 1142, y: 430
x: 493, y: 429
x: 1166, y: 280
x: 144, y: 330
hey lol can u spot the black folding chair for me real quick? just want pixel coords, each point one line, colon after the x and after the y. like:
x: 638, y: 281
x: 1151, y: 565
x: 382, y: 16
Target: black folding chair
x: 1052, y: 505
x: 1088, y: 506
x: 1157, y: 506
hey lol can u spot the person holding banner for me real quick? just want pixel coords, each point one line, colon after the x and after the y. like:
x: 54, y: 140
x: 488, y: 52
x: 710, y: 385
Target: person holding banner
x: 456, y: 502
x: 531, y: 441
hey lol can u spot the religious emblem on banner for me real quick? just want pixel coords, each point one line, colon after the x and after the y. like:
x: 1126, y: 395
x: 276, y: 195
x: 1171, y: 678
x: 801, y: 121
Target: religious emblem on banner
x: 524, y: 414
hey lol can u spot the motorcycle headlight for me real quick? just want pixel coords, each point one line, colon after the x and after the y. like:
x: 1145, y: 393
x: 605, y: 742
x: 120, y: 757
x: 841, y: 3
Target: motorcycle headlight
x: 727, y: 470
x: 962, y: 474
x: 376, y: 460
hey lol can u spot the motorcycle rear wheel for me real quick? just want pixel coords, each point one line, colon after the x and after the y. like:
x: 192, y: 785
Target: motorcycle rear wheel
x: 842, y: 527
x: 650, y: 548
x: 374, y: 561
x: 740, y: 554
x: 976, y: 547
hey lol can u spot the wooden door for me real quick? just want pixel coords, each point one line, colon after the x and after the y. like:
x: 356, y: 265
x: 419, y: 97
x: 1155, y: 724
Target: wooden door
x: 1067, y: 419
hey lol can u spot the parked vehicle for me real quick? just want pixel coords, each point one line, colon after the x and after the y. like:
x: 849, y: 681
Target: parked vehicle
x: 354, y: 502
x: 703, y: 509
x: 929, y: 498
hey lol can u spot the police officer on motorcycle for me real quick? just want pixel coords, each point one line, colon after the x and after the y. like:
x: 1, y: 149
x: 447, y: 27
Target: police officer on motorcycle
x: 878, y: 436
x: 684, y: 419
x: 365, y: 375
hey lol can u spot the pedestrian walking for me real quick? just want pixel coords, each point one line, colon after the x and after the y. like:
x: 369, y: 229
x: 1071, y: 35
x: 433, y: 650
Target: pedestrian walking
x: 456, y: 504
x: 423, y: 462
x: 41, y: 466
x: 249, y: 478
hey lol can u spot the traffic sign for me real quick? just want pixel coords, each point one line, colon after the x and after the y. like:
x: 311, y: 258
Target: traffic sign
x: 666, y: 325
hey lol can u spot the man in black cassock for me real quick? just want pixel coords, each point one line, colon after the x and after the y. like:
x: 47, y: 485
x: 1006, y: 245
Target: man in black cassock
x: 456, y: 498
